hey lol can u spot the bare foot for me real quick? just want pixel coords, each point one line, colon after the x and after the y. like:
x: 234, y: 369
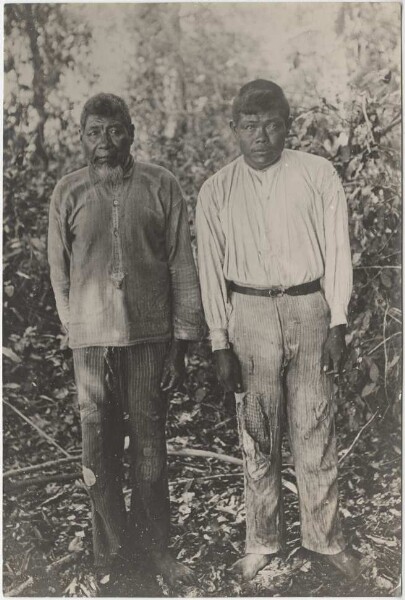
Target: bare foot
x: 172, y: 571
x: 247, y: 567
x: 345, y: 562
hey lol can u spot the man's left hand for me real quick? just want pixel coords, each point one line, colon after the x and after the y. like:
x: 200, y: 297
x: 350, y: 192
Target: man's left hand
x: 174, y: 369
x: 334, y: 349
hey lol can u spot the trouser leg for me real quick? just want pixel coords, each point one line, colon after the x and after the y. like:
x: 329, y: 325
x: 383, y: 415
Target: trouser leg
x: 102, y: 443
x: 311, y: 421
x: 256, y: 337
x: 147, y: 405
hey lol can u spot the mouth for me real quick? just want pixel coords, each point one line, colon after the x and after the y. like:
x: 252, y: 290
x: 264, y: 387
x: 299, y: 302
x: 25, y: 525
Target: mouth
x: 261, y: 150
x: 105, y: 158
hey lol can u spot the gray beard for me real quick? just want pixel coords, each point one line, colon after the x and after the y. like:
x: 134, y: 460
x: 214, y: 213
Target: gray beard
x: 111, y: 178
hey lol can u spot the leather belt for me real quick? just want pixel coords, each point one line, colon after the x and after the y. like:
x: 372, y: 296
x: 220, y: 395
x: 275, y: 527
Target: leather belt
x: 276, y: 292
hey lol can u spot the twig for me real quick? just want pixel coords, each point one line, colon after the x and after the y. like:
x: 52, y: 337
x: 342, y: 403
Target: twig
x: 54, y: 498
x: 395, y: 319
x: 385, y: 353
x: 222, y: 423
x: 23, y: 483
x: 20, y: 588
x: 367, y: 120
x: 205, y: 477
x: 354, y: 442
x: 390, y: 126
x: 61, y: 561
x: 204, y: 454
x: 40, y: 466
x: 38, y: 429
x: 383, y: 342
x: 379, y: 267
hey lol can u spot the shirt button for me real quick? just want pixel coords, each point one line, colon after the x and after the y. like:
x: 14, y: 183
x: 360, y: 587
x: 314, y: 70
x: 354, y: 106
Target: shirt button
x: 116, y: 232
x: 115, y: 202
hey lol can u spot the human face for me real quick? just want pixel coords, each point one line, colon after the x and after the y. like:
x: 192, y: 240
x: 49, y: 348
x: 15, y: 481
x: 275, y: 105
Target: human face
x: 106, y: 141
x: 261, y: 137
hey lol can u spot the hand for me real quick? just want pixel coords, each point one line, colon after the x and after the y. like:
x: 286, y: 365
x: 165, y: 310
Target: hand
x: 64, y: 341
x: 334, y: 349
x: 174, y: 369
x: 228, y: 370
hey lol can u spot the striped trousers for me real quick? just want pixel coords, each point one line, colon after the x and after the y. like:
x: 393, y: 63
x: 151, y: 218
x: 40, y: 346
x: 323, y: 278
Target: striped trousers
x: 279, y: 344
x: 114, y: 383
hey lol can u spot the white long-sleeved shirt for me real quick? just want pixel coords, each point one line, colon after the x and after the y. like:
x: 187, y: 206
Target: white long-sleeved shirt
x: 283, y: 226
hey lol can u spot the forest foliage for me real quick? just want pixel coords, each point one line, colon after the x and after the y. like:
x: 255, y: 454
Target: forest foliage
x: 182, y: 69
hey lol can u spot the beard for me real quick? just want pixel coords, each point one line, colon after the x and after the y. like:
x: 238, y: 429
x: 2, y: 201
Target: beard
x: 108, y: 176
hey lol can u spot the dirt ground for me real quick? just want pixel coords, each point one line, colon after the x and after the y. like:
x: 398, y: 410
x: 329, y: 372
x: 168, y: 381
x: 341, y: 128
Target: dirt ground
x: 47, y: 529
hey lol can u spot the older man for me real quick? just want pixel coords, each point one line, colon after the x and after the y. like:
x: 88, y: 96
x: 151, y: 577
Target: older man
x: 127, y: 294
x: 276, y: 277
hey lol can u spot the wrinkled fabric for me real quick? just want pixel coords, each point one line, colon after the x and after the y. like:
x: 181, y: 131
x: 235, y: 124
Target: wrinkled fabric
x: 121, y: 262
x: 279, y: 342
x: 283, y: 226
x: 119, y: 394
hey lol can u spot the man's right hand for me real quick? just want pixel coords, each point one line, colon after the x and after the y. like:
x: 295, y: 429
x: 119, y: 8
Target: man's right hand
x: 228, y: 370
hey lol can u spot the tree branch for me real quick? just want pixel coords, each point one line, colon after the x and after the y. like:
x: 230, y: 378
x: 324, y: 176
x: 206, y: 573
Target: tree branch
x: 390, y: 126
x: 40, y: 466
x: 192, y: 452
x: 383, y: 342
x: 379, y: 267
x: 55, y: 478
x: 20, y: 588
x: 38, y: 429
x: 188, y: 452
x: 356, y: 439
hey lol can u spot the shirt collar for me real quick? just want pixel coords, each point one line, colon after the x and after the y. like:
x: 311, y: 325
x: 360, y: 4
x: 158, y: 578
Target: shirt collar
x: 129, y: 166
x: 261, y: 173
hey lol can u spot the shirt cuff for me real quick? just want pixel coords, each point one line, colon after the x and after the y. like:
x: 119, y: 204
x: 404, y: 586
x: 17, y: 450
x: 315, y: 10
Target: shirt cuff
x: 338, y: 316
x: 219, y: 339
x: 190, y: 334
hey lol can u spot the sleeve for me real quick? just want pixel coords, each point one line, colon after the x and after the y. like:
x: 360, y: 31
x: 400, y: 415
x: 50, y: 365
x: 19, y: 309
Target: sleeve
x: 211, y: 252
x: 187, y: 313
x: 59, y: 256
x: 338, y: 278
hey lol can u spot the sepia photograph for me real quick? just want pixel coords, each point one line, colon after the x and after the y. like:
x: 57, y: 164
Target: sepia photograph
x: 202, y: 299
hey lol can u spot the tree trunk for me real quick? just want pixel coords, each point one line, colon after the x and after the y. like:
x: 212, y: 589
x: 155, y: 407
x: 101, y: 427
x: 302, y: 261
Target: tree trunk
x: 31, y: 14
x: 174, y: 88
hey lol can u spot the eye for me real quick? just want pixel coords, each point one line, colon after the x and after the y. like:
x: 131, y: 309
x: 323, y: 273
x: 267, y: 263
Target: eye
x: 275, y: 126
x: 116, y: 131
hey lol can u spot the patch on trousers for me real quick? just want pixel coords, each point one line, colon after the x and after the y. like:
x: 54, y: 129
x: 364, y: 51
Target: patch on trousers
x: 88, y: 476
x: 255, y: 434
x: 325, y: 406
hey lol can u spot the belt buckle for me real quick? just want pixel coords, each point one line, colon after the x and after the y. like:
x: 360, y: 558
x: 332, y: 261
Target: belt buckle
x: 276, y: 293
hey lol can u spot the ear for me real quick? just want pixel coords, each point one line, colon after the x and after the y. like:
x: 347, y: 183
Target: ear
x: 289, y: 123
x: 81, y: 134
x: 232, y: 125
x: 132, y: 132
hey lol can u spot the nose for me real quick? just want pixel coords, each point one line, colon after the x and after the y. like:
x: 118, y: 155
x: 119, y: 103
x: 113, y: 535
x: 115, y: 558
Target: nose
x: 262, y: 134
x: 105, y: 140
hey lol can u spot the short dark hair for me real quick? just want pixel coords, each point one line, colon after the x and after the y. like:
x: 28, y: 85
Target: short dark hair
x: 106, y: 105
x: 259, y: 95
